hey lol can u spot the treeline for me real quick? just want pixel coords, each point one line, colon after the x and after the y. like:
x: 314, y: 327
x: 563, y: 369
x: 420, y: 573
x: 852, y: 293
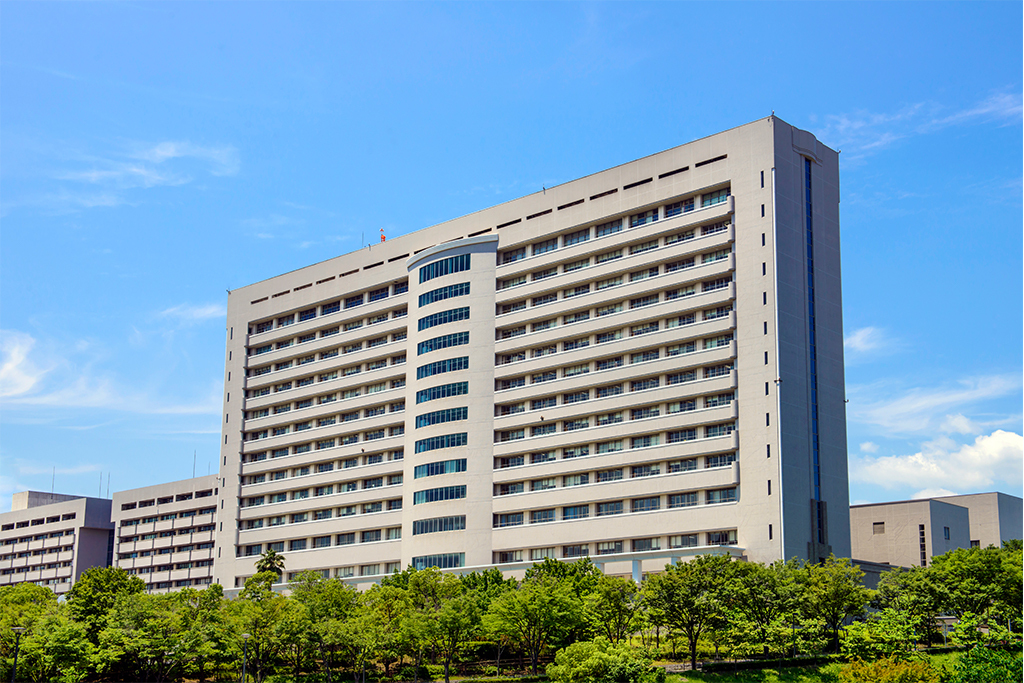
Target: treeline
x: 426, y: 623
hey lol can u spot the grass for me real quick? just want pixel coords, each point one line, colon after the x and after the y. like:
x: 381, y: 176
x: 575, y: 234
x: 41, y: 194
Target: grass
x: 810, y: 674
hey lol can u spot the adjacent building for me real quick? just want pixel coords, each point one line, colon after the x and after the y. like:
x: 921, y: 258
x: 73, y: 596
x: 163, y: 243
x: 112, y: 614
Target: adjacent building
x: 50, y: 539
x: 165, y: 533
x: 911, y: 532
x: 647, y: 361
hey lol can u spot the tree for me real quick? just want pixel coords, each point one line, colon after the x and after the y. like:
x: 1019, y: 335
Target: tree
x: 762, y: 599
x: 833, y: 593
x: 138, y: 638
x: 21, y: 604
x: 95, y: 592
x: 888, y: 633
x: 57, y: 649
x: 257, y: 611
x: 534, y: 615
x: 613, y: 607
x: 270, y: 561
x: 912, y: 592
x: 449, y: 614
x: 691, y: 596
x: 202, y: 629
x: 329, y: 603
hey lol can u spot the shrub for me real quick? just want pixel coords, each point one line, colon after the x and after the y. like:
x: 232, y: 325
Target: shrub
x: 599, y: 661
x: 889, y: 670
x: 986, y: 665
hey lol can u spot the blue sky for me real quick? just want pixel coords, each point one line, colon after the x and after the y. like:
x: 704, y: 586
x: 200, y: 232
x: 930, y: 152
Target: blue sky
x: 154, y: 155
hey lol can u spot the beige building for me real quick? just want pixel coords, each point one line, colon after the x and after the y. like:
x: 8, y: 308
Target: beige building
x: 641, y: 364
x: 50, y: 539
x: 910, y: 532
x: 166, y: 533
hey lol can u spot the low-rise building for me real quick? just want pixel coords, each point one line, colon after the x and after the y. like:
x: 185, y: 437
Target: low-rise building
x: 910, y: 532
x: 50, y: 539
x: 165, y: 533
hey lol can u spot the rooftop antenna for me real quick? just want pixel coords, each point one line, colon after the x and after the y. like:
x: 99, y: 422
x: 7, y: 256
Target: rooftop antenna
x: 53, y: 479
x: 99, y: 492
x: 193, y: 464
x: 108, y: 484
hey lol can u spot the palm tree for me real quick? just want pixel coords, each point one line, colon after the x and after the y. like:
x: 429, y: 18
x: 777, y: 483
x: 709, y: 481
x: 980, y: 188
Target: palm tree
x: 270, y: 561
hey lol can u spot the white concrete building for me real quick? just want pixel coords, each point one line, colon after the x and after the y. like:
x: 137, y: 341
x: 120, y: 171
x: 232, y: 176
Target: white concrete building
x: 166, y: 533
x: 911, y: 532
x: 50, y: 539
x: 643, y: 363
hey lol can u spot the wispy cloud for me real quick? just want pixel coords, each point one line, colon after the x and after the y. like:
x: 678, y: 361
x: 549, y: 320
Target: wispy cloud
x: 925, y: 409
x: 223, y: 159
x: 36, y: 469
x: 944, y: 464
x: 71, y: 376
x: 869, y: 447
x: 862, y: 133
x: 189, y: 313
x: 932, y: 493
x: 864, y: 339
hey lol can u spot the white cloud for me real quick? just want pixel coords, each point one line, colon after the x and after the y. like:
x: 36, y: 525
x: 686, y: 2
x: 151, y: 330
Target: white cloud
x: 932, y: 493
x: 958, y: 424
x: 924, y: 409
x: 862, y: 133
x: 188, y: 313
x: 72, y: 378
x: 868, y: 447
x: 18, y: 374
x: 35, y: 469
x: 223, y: 160
x: 863, y: 340
x: 943, y: 463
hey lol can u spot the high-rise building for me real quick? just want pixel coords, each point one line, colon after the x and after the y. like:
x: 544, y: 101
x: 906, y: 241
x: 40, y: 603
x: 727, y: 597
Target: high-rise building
x: 165, y: 533
x: 50, y: 539
x: 641, y: 364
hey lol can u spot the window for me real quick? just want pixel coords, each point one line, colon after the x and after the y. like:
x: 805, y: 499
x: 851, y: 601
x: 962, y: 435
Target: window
x: 544, y: 324
x: 717, y: 496
x: 613, y: 508
x: 720, y: 460
x: 574, y: 344
x: 438, y: 524
x: 644, y: 329
x: 945, y: 532
x: 609, y: 256
x: 442, y: 493
x: 438, y: 442
x: 512, y: 282
x: 717, y: 371
x: 543, y: 430
x: 609, y: 548
x: 439, y: 367
x: 610, y: 282
x: 568, y: 399
x: 712, y: 431
x: 544, y: 274
x: 575, y: 452
x: 683, y: 541
x: 442, y: 391
x: 509, y: 409
x: 686, y: 406
x: 297, y: 544
x: 682, y: 435
x: 722, y: 537
x: 543, y: 377
x: 716, y: 313
x: 542, y: 351
x: 442, y: 416
x: 453, y: 264
x: 540, y: 403
x: 441, y: 467
x: 574, y: 370
x: 573, y: 425
x: 718, y: 400
x: 513, y: 255
x: 877, y: 528
x: 609, y: 336
x: 511, y: 383
x: 443, y: 317
x: 644, y: 384
x: 510, y: 556
x: 713, y: 198
x: 575, y: 265
x: 579, y: 316
x: 513, y: 519
x: 644, y: 356
x: 577, y: 237
x: 609, y: 446
x: 545, y: 246
x: 644, y: 544
x: 681, y: 207
x: 541, y: 300
x: 680, y: 349
x: 611, y: 390
x: 510, y: 332
x: 542, y: 516
x: 644, y: 441
x: 609, y: 228
x: 682, y: 500
x: 642, y: 247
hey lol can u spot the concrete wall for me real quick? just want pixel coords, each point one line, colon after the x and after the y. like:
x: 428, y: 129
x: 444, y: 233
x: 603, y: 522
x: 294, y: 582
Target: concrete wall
x: 899, y: 542
x: 995, y: 517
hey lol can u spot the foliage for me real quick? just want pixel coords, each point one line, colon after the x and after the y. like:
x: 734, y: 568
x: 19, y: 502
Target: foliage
x: 886, y: 634
x: 600, y: 661
x: 270, y: 561
x: 889, y: 670
x: 613, y: 607
x: 94, y: 593
x: 988, y: 665
x: 833, y: 593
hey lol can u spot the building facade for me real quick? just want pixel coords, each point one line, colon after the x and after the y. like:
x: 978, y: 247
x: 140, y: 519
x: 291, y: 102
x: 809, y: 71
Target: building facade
x: 166, y: 533
x: 911, y: 532
x: 50, y: 539
x: 647, y: 360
